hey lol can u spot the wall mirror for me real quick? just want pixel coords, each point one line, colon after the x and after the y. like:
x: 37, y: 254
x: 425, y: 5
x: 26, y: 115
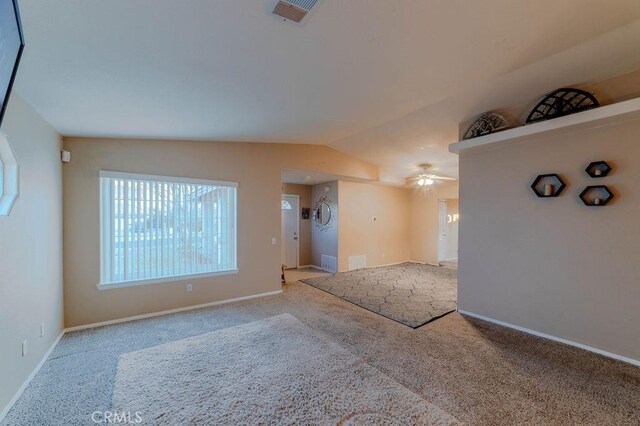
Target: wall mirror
x: 324, y: 214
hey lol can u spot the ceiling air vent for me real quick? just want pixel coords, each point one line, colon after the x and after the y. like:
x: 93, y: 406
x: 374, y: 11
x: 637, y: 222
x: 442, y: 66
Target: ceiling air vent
x: 294, y: 10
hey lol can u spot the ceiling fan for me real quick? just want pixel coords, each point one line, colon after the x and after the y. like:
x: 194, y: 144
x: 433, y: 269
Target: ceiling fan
x: 426, y: 179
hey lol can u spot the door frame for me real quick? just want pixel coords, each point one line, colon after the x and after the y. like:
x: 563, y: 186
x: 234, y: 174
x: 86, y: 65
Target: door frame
x: 297, y: 197
x: 442, y: 224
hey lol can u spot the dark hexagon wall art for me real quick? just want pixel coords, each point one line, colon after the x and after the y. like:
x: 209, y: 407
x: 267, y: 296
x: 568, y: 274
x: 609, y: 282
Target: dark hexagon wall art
x: 596, y: 196
x: 598, y: 169
x: 540, y: 188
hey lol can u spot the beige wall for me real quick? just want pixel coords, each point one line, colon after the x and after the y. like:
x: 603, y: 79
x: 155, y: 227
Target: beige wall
x: 554, y: 265
x: 374, y: 221
x: 423, y: 221
x: 30, y: 249
x: 325, y: 241
x: 304, y: 238
x: 256, y: 167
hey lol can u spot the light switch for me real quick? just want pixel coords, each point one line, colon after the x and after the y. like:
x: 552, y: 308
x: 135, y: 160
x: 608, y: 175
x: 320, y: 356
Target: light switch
x: 274, y: 241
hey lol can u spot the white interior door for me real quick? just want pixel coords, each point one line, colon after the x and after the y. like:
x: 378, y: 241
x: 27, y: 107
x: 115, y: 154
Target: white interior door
x: 442, y: 230
x: 290, y: 230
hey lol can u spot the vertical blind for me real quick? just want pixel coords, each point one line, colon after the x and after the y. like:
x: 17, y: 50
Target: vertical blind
x: 159, y: 227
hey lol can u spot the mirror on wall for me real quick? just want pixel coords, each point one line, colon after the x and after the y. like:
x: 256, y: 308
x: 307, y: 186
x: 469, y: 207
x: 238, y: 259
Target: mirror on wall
x: 323, y: 213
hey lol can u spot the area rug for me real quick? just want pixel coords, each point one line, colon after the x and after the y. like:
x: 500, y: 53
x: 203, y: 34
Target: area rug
x: 272, y: 371
x: 410, y: 293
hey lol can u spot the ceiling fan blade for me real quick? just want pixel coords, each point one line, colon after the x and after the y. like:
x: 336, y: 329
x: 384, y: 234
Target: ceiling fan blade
x: 442, y: 177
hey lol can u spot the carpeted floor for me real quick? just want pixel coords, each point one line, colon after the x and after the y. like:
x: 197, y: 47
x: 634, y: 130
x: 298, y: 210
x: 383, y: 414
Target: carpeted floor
x: 271, y: 371
x: 478, y: 372
x: 411, y: 293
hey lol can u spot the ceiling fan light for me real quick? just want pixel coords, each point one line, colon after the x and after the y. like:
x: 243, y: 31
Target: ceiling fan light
x: 428, y: 182
x: 421, y: 182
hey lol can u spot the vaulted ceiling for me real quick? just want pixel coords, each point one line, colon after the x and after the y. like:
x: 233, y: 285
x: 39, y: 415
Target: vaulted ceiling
x: 387, y: 81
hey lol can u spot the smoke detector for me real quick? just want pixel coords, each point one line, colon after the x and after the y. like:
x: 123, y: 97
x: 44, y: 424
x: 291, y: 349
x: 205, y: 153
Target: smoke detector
x: 297, y: 11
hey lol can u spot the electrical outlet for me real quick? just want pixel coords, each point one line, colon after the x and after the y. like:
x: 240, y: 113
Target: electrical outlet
x: 41, y: 329
x: 24, y: 348
x: 189, y: 288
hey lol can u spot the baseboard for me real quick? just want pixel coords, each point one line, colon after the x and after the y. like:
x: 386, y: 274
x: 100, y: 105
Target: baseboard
x: 309, y: 266
x: 170, y: 311
x: 18, y: 394
x: 316, y: 267
x: 392, y: 264
x: 554, y: 338
x: 423, y: 263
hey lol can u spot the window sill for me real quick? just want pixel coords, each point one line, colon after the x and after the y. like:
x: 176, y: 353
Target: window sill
x: 124, y: 284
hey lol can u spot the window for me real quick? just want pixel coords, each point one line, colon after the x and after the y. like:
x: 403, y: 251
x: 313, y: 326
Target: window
x: 156, y: 227
x: 285, y: 205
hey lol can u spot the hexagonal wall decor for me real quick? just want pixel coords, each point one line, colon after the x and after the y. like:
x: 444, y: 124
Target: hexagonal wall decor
x: 9, y: 176
x: 549, y: 185
x: 596, y: 196
x: 598, y: 169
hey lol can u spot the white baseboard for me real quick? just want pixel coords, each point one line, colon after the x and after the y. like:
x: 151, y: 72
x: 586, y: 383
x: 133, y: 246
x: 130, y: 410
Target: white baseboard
x: 18, y: 394
x: 392, y: 264
x: 170, y: 311
x: 554, y: 338
x: 316, y: 267
x: 423, y: 263
x: 309, y: 266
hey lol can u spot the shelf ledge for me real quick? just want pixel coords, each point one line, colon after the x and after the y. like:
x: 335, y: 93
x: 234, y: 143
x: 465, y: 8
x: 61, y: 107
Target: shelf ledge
x: 596, y: 117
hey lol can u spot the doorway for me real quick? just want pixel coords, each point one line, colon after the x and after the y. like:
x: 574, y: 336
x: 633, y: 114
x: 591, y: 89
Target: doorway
x: 290, y: 207
x: 448, y: 218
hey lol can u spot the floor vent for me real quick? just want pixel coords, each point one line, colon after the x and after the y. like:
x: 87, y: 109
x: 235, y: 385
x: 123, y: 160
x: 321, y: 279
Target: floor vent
x: 357, y: 262
x: 294, y: 10
x: 329, y: 263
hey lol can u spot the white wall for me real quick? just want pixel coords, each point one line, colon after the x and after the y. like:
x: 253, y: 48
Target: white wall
x: 30, y: 249
x: 554, y: 265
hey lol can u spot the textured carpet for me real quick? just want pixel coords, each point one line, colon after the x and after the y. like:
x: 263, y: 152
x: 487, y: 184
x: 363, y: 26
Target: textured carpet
x: 411, y: 293
x: 481, y: 373
x: 272, y: 371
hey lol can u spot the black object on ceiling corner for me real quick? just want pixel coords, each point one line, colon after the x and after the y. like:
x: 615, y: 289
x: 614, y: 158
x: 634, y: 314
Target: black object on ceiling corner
x: 12, y: 37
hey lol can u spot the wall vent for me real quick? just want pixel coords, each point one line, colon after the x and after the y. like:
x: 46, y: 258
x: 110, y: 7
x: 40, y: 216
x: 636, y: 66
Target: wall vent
x: 329, y: 263
x: 294, y: 10
x: 357, y: 262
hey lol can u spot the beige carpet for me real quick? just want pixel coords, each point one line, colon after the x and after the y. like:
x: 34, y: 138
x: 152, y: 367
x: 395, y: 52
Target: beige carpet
x: 411, y: 293
x: 272, y: 371
x: 480, y: 373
